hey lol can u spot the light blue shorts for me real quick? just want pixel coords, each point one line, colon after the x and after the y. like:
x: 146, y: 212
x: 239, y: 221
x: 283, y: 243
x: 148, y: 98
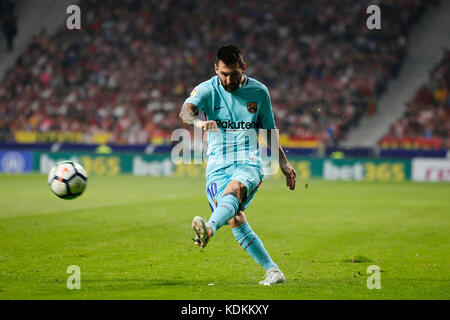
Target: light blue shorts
x: 216, y: 181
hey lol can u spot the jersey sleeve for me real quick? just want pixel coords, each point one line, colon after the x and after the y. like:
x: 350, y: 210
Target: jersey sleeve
x: 200, y: 97
x: 265, y: 114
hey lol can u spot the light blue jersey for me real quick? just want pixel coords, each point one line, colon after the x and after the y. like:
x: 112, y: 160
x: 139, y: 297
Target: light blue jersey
x: 239, y: 115
x: 233, y: 155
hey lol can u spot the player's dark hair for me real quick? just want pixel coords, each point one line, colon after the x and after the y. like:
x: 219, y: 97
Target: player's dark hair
x: 230, y: 54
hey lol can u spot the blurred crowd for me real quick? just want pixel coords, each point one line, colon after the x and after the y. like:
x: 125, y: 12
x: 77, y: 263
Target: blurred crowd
x: 428, y: 114
x: 133, y: 63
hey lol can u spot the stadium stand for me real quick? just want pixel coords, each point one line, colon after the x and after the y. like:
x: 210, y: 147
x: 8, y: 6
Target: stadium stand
x: 124, y: 76
x: 8, y: 21
x: 426, y: 122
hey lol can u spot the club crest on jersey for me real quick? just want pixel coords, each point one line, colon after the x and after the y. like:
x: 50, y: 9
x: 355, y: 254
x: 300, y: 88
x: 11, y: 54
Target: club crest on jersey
x: 252, y: 107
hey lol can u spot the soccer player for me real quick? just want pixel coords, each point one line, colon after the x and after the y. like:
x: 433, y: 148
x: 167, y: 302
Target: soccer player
x: 236, y: 107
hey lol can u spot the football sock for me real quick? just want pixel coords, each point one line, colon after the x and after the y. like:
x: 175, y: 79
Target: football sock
x: 251, y: 243
x: 226, y: 210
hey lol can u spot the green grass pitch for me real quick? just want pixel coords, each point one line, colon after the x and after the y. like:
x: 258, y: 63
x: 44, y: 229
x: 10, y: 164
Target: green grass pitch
x: 131, y: 238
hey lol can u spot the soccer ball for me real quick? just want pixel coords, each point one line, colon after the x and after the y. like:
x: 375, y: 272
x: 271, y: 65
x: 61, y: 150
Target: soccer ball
x: 67, y: 179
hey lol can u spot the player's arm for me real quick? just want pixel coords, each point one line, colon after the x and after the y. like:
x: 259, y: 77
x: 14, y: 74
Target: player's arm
x: 189, y: 114
x: 267, y: 121
x: 285, y: 166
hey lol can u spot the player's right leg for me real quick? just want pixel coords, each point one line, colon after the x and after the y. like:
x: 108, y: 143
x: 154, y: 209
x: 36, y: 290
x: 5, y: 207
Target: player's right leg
x: 226, y: 205
x: 202, y: 231
x: 216, y: 183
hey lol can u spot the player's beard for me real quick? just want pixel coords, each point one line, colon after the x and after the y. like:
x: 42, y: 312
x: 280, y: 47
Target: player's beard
x: 232, y: 86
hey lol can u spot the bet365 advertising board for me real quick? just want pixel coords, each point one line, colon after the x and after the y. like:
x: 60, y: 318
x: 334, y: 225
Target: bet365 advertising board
x: 162, y: 165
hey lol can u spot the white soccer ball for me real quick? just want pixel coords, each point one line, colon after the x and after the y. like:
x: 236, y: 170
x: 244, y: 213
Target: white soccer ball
x: 67, y: 179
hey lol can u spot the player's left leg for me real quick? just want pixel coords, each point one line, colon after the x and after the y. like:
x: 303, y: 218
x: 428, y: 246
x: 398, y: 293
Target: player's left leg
x: 250, y: 178
x: 252, y: 244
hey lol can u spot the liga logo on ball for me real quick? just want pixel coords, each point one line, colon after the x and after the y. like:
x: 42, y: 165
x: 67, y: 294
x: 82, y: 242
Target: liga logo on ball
x: 67, y: 179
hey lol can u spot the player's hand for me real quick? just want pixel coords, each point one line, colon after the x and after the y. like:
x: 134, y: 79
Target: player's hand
x: 290, y: 174
x: 207, y: 125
